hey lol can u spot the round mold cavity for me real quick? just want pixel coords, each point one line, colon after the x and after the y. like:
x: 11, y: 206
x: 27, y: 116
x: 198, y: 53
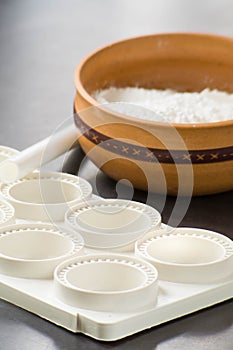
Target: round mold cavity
x: 107, y: 282
x: 45, y: 196
x: 188, y: 254
x: 7, y: 214
x: 112, y: 223
x: 34, y: 250
x: 7, y: 152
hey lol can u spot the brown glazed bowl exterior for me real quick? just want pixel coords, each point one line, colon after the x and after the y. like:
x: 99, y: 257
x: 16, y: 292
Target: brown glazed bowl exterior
x: 173, y: 158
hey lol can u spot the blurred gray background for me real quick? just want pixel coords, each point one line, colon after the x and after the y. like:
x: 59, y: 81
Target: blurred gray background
x: 41, y: 43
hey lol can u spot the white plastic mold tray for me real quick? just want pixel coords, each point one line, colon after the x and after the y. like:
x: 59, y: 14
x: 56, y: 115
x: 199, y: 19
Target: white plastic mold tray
x: 109, y: 296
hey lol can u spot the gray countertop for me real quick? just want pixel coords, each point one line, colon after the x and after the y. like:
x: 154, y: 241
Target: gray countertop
x: 41, y: 43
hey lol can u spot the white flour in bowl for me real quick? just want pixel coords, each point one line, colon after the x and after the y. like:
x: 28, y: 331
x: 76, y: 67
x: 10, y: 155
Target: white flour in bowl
x: 168, y: 105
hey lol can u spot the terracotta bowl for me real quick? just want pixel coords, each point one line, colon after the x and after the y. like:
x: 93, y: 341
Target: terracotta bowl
x: 173, y: 158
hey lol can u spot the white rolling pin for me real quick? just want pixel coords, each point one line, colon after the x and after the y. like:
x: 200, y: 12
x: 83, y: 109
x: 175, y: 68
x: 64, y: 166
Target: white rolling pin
x: 38, y: 154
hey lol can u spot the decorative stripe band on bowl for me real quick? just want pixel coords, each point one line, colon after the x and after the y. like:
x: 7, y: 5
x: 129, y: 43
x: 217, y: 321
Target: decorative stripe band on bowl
x: 153, y: 155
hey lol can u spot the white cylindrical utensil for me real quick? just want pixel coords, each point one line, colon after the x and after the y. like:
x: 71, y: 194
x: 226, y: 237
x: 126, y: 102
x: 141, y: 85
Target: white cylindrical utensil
x: 38, y: 154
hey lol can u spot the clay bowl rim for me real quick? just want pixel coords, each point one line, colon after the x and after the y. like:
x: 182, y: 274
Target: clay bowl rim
x: 124, y: 118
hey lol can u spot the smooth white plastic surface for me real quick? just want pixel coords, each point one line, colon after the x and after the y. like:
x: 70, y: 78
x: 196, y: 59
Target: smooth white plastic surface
x: 45, y: 196
x: 34, y: 250
x: 188, y: 255
x: 111, y: 223
x: 7, y: 213
x: 22, y: 163
x: 107, y: 282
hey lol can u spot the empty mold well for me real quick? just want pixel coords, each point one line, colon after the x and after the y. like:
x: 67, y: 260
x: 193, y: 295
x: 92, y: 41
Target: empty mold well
x: 45, y: 196
x: 34, y: 250
x: 188, y: 255
x: 107, y: 283
x: 185, y: 250
x: 44, y: 191
x: 110, y: 223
